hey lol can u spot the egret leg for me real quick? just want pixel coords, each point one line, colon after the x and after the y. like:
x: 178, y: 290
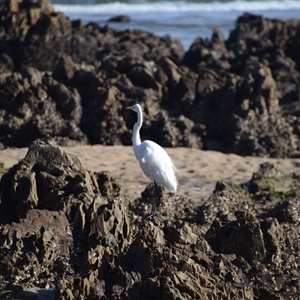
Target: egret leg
x: 154, y: 201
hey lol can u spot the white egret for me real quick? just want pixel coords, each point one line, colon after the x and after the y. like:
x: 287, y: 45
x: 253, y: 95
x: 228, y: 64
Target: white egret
x: 154, y: 160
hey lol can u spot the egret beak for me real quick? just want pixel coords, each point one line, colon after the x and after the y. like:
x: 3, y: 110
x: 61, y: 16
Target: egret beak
x: 129, y: 107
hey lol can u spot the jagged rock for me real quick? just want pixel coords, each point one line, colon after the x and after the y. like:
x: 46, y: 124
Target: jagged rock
x: 42, y: 166
x: 33, y: 75
x: 270, y: 184
x: 34, y: 106
x: 169, y: 205
x: 209, y: 53
x: 242, y: 237
x: 234, y: 109
x: 50, y: 23
x: 185, y: 268
x: 52, y: 182
x: 108, y: 185
x: 223, y: 203
x: 36, y: 247
x: 18, y: 17
x: 287, y: 210
x: 238, y: 95
x: 64, y: 69
x: 6, y: 64
x: 83, y: 238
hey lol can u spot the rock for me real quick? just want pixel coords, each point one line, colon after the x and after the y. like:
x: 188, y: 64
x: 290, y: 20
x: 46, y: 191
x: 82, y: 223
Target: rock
x: 40, y: 106
x: 239, y: 129
x: 287, y: 210
x: 68, y: 102
x: 19, y: 16
x: 253, y: 41
x: 108, y: 185
x: 23, y: 193
x: 218, y: 95
x: 192, y: 280
x: 6, y: 64
x: 83, y: 238
x: 143, y: 76
x: 112, y: 128
x: 167, y: 203
x: 242, y: 237
x: 120, y: 18
x: 33, y: 75
x: 47, y: 238
x: 269, y: 184
x: 64, y: 69
x: 226, y: 199
x: 50, y: 23
x: 49, y: 184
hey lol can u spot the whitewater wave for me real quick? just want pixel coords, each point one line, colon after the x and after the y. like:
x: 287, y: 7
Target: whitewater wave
x: 177, y: 6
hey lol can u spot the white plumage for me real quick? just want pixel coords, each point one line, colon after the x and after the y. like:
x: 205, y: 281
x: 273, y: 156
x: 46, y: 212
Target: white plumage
x: 156, y: 164
x: 153, y: 159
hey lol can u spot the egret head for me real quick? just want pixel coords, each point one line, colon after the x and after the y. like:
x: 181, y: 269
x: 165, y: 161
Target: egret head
x: 135, y: 107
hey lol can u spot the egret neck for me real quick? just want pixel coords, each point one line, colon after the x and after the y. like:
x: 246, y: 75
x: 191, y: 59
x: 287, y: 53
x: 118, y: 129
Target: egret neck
x: 136, y: 139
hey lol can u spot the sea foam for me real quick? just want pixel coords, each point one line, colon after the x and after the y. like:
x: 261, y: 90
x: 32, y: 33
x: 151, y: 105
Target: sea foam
x: 176, y: 6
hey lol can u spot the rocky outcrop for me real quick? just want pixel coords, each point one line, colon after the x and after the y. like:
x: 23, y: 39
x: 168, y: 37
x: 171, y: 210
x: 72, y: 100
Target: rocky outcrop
x: 36, y: 247
x: 49, y: 198
x: 65, y: 81
x: 65, y: 228
x: 34, y: 106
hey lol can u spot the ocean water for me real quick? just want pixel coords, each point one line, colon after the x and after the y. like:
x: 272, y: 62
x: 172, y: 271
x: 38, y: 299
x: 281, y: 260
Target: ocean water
x: 182, y: 19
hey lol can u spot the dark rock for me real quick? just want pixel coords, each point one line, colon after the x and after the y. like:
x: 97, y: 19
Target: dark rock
x: 184, y: 208
x: 64, y: 69
x: 237, y: 236
x: 254, y: 41
x: 49, y: 184
x: 287, y: 210
x: 269, y: 184
x: 37, y: 107
x: 185, y: 268
x: 265, y: 234
x: 37, y: 246
x: 120, y: 18
x: 69, y: 229
x: 19, y: 190
x: 210, y: 53
x: 50, y: 23
x: 233, y: 111
x: 112, y: 128
x: 18, y: 17
x: 218, y: 95
x: 108, y: 185
x: 33, y: 75
x: 6, y: 63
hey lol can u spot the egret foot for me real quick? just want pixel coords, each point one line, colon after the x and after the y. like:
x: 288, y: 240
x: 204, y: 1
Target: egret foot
x: 155, y: 198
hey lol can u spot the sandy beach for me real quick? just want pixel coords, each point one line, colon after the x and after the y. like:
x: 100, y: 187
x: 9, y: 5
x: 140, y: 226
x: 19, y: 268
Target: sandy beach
x: 199, y: 170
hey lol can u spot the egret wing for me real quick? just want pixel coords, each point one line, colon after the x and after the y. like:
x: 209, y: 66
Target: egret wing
x: 156, y: 164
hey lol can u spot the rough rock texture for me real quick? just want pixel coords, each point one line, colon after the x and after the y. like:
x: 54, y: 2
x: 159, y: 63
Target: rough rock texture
x: 65, y: 228
x: 75, y: 231
x: 48, y: 197
x: 65, y: 81
x: 35, y: 106
x: 34, y: 249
